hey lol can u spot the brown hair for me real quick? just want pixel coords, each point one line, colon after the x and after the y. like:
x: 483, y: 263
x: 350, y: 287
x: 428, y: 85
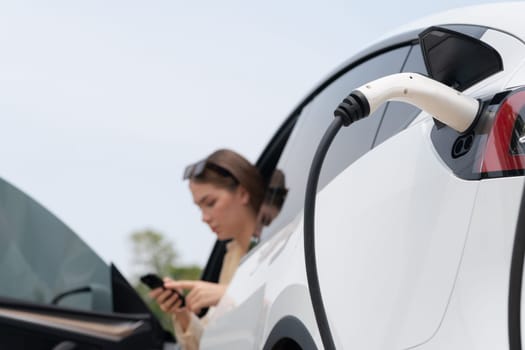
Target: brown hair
x: 243, y: 173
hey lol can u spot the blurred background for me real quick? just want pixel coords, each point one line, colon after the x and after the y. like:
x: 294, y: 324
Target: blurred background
x: 103, y: 103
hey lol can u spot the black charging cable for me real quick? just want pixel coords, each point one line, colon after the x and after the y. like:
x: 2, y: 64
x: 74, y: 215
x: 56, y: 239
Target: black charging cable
x: 516, y: 279
x: 353, y: 108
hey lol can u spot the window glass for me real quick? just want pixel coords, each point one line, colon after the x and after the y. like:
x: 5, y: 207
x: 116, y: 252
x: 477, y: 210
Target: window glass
x: 46, y: 258
x: 350, y: 143
x: 399, y: 115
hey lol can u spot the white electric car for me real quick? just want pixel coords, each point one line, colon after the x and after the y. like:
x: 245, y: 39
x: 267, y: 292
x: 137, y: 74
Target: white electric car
x: 415, y: 239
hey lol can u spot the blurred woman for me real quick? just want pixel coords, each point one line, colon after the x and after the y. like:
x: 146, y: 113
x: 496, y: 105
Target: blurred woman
x: 229, y: 191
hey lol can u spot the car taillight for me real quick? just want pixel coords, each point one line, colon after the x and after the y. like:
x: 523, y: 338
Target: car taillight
x: 505, y: 148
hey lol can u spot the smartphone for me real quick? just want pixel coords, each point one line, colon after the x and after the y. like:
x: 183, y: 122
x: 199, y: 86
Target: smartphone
x: 153, y: 281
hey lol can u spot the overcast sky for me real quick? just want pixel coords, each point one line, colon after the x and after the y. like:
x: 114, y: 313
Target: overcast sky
x: 103, y: 103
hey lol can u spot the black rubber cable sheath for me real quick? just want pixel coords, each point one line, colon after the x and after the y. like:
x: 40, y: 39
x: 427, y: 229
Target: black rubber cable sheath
x: 516, y: 282
x: 309, y: 238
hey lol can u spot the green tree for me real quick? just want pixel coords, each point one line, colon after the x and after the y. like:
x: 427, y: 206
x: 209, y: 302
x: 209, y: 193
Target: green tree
x: 154, y: 253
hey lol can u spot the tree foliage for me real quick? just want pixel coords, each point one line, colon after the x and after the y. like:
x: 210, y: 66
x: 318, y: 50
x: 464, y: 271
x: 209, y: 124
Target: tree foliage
x: 152, y: 252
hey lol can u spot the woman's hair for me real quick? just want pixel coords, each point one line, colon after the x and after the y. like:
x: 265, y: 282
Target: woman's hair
x: 227, y: 169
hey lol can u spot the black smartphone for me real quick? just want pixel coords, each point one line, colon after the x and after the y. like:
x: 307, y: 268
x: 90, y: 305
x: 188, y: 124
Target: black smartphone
x: 153, y: 281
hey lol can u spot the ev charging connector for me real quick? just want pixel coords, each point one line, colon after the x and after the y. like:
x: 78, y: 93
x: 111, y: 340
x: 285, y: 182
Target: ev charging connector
x: 447, y: 105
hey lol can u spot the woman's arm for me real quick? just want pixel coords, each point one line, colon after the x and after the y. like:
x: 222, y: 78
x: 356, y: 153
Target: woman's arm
x: 188, y: 327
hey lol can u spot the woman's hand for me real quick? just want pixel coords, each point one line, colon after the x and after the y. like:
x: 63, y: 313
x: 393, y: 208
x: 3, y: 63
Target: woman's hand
x: 202, y: 294
x: 170, y: 302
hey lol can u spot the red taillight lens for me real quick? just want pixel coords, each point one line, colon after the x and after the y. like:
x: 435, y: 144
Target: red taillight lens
x: 505, y: 148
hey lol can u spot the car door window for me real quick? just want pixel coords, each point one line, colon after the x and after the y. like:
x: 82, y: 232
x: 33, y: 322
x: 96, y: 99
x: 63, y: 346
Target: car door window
x: 41, y: 258
x: 350, y: 144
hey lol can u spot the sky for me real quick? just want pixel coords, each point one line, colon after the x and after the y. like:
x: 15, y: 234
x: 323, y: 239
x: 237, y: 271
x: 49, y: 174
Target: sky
x: 103, y: 103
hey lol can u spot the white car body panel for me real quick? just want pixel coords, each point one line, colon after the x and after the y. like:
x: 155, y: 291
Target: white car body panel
x: 402, y: 229
x: 477, y: 315
x: 409, y: 255
x: 281, y: 261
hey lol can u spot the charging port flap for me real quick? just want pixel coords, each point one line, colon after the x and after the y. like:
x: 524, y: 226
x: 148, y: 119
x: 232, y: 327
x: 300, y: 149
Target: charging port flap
x: 456, y: 59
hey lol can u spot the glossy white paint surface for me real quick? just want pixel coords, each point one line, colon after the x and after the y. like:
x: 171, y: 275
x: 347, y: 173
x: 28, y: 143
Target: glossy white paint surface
x: 477, y: 315
x: 269, y: 284
x: 389, y: 250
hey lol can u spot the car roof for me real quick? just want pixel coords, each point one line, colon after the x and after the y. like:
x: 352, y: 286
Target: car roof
x: 503, y: 16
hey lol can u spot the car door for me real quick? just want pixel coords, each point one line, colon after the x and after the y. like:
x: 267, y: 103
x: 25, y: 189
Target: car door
x: 56, y: 293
